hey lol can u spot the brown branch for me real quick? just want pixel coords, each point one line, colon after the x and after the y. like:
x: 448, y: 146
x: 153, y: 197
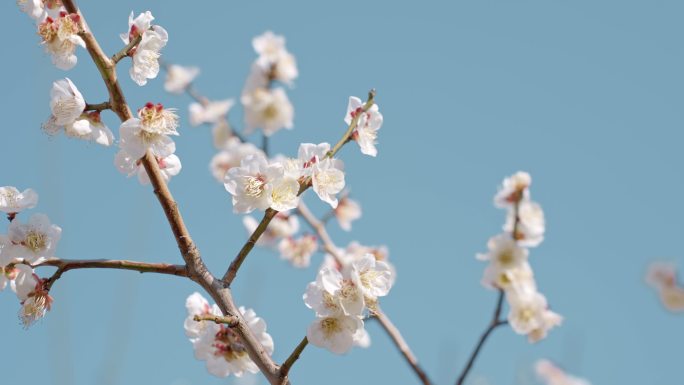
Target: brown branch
x: 196, y: 268
x: 64, y: 265
x: 384, y: 321
x: 230, y: 274
x: 401, y: 344
x: 98, y: 107
x: 493, y: 324
x: 287, y: 365
x: 230, y: 321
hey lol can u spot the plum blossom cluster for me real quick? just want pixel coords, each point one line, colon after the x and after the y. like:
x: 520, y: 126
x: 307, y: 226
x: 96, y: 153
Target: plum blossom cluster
x: 550, y: 374
x: 342, y: 297
x: 24, y: 245
x: 69, y: 115
x: 662, y: 276
x: 217, y: 344
x: 267, y: 107
x: 262, y: 184
x: 58, y: 30
x: 509, y: 269
x: 150, y: 131
x: 146, y: 53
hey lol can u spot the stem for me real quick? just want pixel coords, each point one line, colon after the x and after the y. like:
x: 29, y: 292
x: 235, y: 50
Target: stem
x: 231, y: 321
x: 401, y: 344
x: 98, y: 107
x: 287, y: 365
x: 64, y: 265
x: 264, y: 144
x: 494, y: 323
x: 248, y: 246
x: 125, y: 51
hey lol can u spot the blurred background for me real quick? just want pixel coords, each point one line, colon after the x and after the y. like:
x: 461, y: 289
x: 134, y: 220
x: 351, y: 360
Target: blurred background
x: 586, y: 96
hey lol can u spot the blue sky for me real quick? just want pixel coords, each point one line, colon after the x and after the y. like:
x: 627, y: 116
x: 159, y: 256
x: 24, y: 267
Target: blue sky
x: 586, y: 96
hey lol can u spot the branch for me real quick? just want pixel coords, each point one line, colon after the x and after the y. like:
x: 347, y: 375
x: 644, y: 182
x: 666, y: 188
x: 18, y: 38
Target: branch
x: 493, y: 324
x: 98, y: 107
x: 230, y: 274
x: 231, y: 321
x: 385, y: 322
x: 401, y: 344
x: 126, y: 51
x: 197, y: 270
x: 287, y: 365
x: 64, y: 265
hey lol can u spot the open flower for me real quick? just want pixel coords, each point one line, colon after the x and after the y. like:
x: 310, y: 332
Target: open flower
x: 347, y: 211
x: 298, y: 251
x: 230, y: 156
x: 146, y: 54
x: 274, y: 60
x: 37, y: 238
x: 513, y: 190
x: 13, y: 201
x: 59, y: 36
x: 269, y: 110
x: 149, y: 131
x: 66, y: 102
x: 219, y: 345
x: 336, y: 333
x: 178, y: 78
x: 367, y: 127
x: 210, y: 112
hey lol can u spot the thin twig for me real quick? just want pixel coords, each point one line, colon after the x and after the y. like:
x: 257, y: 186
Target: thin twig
x: 294, y: 356
x: 401, y: 344
x: 125, y: 51
x: 230, y: 321
x: 493, y: 324
x: 64, y: 265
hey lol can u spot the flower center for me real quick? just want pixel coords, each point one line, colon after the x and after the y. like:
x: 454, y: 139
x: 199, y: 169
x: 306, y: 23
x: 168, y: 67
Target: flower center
x: 228, y: 344
x: 35, y: 241
x: 506, y: 257
x: 255, y: 185
x: 270, y: 112
x: 330, y: 326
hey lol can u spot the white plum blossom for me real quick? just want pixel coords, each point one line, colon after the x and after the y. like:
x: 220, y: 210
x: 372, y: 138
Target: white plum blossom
x: 336, y: 333
x: 529, y: 314
x: 513, y: 189
x: 59, y: 36
x: 66, y: 102
x: 38, y: 10
x: 268, y: 109
x: 327, y: 176
x: 298, y: 251
x: 551, y: 374
x: 368, y: 124
x: 149, y: 131
x: 531, y: 225
x: 129, y: 165
x: 219, y: 345
x: 274, y: 60
x: 230, y: 156
x: 256, y: 184
x: 195, y: 304
x: 34, y: 297
x: 347, y: 211
x: 88, y: 127
x: 146, y: 54
x: 372, y: 276
x: 178, y: 78
x: 283, y: 225
x: 13, y: 201
x: 211, y: 112
x: 37, y: 238
x: 504, y: 256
